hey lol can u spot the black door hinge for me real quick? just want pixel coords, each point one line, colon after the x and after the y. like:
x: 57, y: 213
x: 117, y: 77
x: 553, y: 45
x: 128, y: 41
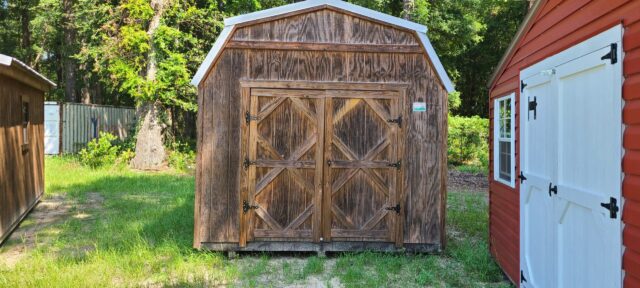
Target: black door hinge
x: 246, y: 163
x: 394, y: 208
x: 533, y: 106
x: 397, y: 121
x: 553, y: 189
x: 612, y: 206
x: 395, y: 165
x: 522, y: 279
x: 246, y: 207
x: 612, y: 55
x: 522, y: 178
x: 329, y: 162
x: 248, y: 117
x: 522, y: 85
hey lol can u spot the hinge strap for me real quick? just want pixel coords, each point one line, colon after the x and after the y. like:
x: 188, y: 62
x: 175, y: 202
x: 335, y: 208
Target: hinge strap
x: 522, y: 178
x: 522, y: 279
x: 533, y: 106
x: 612, y: 55
x: 395, y: 165
x: 553, y: 189
x: 612, y: 206
x: 397, y: 121
x: 394, y: 208
x: 248, y: 117
x: 522, y: 85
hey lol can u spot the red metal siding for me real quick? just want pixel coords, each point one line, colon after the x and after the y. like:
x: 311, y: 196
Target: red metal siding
x: 557, y: 26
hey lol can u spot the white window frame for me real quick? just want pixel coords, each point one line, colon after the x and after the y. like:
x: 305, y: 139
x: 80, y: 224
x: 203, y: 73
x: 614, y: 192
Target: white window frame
x: 497, y: 139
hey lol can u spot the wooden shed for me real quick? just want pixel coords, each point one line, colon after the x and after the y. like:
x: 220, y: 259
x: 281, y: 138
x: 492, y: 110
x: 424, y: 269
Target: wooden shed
x: 565, y: 161
x: 322, y: 126
x: 21, y: 141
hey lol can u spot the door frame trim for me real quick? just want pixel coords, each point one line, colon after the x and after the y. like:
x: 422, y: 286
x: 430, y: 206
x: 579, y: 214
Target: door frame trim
x: 245, y: 88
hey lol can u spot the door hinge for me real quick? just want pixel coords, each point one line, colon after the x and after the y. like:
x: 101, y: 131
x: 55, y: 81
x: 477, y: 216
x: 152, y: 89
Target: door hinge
x: 553, y: 189
x: 522, y: 178
x: 246, y: 207
x: 329, y: 162
x: 522, y: 85
x: 522, y: 279
x: 397, y: 121
x: 394, y: 208
x: 395, y: 165
x: 612, y: 55
x: 248, y: 117
x: 246, y: 163
x: 612, y: 206
x: 533, y: 106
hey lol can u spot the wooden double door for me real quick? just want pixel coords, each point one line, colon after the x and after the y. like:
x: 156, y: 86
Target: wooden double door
x: 321, y: 165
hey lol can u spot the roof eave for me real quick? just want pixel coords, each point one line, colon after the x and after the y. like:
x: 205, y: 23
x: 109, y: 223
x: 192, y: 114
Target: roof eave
x: 14, y: 63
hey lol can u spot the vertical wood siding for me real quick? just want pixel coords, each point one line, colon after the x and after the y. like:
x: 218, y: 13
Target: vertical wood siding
x: 557, y: 26
x: 80, y: 122
x: 217, y: 214
x: 21, y: 170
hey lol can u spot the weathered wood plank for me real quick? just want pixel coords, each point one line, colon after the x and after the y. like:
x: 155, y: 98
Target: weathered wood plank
x: 326, y: 47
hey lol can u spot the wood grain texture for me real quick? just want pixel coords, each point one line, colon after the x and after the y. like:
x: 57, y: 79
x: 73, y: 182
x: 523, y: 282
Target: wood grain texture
x: 422, y: 147
x: 21, y: 165
x: 329, y: 47
x: 324, y: 26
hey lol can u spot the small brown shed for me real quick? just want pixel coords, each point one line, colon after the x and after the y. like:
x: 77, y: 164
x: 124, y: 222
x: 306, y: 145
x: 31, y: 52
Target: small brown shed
x: 322, y: 127
x: 21, y: 141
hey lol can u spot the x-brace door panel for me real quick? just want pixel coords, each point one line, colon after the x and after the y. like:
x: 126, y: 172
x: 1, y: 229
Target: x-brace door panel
x: 283, y: 165
x: 320, y: 165
x: 362, y: 166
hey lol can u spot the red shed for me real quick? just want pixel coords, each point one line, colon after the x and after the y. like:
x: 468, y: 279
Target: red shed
x: 565, y: 148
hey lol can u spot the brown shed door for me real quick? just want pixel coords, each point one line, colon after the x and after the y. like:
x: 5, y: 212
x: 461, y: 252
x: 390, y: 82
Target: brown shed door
x: 320, y: 163
x: 361, y: 172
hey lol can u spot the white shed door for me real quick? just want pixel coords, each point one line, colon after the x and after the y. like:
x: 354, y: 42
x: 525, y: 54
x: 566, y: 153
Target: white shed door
x: 538, y: 166
x: 51, y: 128
x: 570, y: 213
x: 589, y: 173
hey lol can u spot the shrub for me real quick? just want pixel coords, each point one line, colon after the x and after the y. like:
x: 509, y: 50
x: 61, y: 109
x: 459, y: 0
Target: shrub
x: 100, y: 151
x: 468, y: 140
x: 181, y: 156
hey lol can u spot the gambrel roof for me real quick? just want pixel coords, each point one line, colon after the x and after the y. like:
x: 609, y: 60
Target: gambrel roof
x: 282, y: 11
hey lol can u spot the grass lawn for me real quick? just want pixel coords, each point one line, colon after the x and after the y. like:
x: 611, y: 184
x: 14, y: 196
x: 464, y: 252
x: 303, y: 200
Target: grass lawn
x: 115, y: 227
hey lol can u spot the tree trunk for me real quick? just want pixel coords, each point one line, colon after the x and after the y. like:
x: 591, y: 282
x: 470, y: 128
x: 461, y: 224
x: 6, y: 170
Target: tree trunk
x: 407, y: 9
x: 25, y: 43
x: 69, y: 63
x: 150, y: 153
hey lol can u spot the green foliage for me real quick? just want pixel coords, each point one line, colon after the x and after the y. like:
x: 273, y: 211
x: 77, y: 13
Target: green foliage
x: 100, y: 151
x: 182, y: 157
x: 105, y: 151
x: 454, y: 100
x: 468, y: 141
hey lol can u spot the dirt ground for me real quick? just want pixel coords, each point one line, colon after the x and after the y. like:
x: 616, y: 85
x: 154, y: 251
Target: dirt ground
x: 51, y: 210
x: 468, y: 182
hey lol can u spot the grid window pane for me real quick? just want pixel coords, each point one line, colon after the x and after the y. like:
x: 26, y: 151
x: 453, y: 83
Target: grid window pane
x: 504, y: 152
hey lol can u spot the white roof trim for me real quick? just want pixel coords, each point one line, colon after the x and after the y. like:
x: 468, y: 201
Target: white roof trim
x: 333, y: 3
x: 231, y: 22
x: 212, y: 55
x: 13, y: 62
x: 444, y: 77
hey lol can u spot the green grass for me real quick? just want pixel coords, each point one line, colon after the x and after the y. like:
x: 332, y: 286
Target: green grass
x: 127, y: 228
x: 473, y: 169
